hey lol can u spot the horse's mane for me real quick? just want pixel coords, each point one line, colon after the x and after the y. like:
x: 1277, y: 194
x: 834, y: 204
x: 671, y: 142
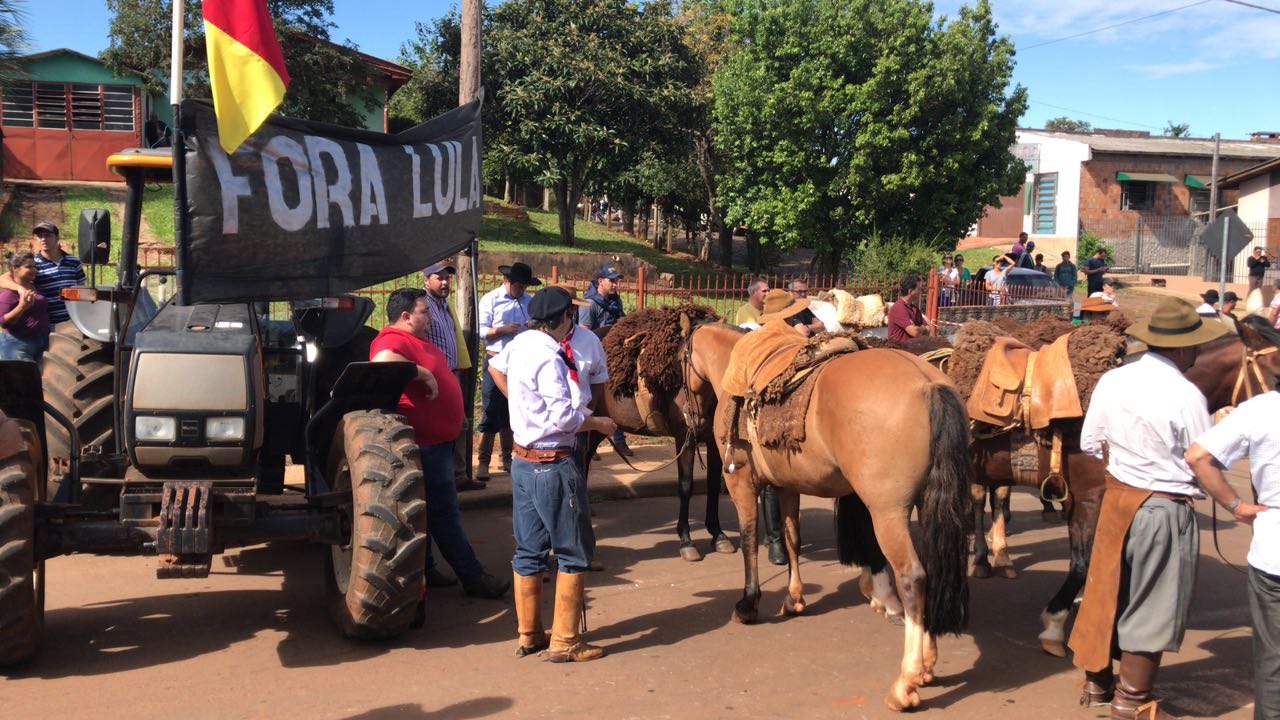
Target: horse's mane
x: 656, y: 332
x: 1263, y: 327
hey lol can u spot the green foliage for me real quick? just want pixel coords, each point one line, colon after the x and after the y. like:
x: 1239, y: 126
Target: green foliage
x: 1172, y: 129
x: 893, y: 255
x: 1090, y: 243
x: 580, y: 83
x: 1066, y: 124
x: 434, y: 55
x: 324, y: 77
x: 842, y: 117
x: 13, y: 40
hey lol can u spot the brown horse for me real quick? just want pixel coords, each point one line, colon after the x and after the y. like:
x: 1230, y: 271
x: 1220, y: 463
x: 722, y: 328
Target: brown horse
x: 687, y: 417
x: 889, y: 428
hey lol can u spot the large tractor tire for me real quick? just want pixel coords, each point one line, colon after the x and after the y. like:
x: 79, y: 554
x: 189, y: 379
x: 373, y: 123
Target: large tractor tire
x: 376, y: 579
x: 79, y: 380
x: 21, y: 575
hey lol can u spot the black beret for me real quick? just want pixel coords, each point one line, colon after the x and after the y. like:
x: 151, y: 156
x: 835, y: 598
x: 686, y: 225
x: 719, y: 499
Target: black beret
x: 549, y: 304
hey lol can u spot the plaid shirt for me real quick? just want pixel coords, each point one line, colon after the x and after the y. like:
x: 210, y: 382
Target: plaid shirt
x: 441, y: 333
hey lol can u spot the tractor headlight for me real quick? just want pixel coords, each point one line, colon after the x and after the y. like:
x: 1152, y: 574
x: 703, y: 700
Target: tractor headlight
x: 223, y: 429
x: 155, y: 429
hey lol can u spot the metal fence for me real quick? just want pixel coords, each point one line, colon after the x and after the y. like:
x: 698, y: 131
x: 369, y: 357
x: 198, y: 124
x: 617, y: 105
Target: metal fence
x: 1168, y: 245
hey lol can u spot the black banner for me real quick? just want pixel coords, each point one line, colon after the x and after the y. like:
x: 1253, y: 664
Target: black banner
x: 307, y: 210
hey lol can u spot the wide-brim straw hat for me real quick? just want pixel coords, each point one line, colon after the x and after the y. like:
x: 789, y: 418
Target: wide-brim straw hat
x: 781, y: 304
x: 573, y: 294
x: 1175, y: 324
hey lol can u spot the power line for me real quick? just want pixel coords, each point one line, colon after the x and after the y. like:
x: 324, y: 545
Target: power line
x: 1104, y: 117
x: 1129, y: 22
x: 1255, y: 7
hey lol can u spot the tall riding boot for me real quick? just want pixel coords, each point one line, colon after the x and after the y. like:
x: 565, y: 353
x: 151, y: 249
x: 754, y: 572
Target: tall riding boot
x: 508, y: 440
x: 484, y: 451
x: 567, y: 644
x: 1133, y: 699
x: 773, y: 525
x: 528, y: 592
x: 1099, y: 687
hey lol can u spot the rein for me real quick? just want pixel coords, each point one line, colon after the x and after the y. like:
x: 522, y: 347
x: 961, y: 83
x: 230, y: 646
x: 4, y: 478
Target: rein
x: 1249, y: 366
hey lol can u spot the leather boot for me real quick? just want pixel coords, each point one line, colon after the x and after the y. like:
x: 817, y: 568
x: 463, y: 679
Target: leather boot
x: 567, y: 644
x: 484, y: 451
x: 1132, y: 700
x: 1099, y: 687
x: 508, y: 441
x: 773, y: 526
x: 533, y: 638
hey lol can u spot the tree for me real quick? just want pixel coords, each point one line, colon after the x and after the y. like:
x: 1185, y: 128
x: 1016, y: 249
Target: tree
x: 580, y: 82
x: 841, y: 118
x: 326, y: 79
x: 1063, y: 123
x: 1177, y: 130
x: 706, y: 32
x: 13, y: 40
x: 433, y: 56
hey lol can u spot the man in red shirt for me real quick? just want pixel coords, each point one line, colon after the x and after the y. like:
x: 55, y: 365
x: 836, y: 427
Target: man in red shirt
x: 905, y: 319
x: 432, y: 405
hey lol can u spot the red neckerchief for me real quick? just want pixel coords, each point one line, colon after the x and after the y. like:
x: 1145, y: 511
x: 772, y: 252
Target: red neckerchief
x: 566, y: 352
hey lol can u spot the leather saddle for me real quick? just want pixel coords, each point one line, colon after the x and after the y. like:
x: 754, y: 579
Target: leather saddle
x: 1019, y: 386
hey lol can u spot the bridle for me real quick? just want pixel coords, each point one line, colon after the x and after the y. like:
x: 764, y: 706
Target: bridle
x: 1250, y: 370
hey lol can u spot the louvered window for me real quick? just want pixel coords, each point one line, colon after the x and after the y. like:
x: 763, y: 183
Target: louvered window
x: 1045, y: 207
x: 84, y: 106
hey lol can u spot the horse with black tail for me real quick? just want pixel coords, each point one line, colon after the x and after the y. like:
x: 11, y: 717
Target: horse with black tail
x: 881, y: 424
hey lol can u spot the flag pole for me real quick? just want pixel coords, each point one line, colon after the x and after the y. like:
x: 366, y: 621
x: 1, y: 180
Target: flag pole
x: 177, y: 46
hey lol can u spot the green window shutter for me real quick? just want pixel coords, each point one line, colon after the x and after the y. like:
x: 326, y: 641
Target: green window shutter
x: 1028, y: 189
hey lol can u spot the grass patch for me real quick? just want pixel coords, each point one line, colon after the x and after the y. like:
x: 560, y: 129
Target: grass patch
x: 542, y: 234
x: 157, y: 210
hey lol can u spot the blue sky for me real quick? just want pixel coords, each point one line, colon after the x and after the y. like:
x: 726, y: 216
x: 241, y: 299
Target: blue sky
x: 1214, y: 65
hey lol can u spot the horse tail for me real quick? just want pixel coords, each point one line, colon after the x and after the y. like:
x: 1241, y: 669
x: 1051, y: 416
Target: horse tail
x: 946, y: 515
x: 856, y: 542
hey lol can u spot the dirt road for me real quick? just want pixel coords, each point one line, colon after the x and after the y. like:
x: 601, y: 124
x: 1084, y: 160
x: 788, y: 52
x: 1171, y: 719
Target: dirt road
x: 254, y: 641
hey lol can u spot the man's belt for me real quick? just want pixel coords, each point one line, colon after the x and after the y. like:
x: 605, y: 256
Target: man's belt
x: 1176, y: 497
x: 547, y: 455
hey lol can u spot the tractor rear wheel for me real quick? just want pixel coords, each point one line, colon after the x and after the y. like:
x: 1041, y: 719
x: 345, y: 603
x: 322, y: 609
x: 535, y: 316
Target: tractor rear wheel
x: 21, y: 575
x: 79, y: 380
x: 375, y: 579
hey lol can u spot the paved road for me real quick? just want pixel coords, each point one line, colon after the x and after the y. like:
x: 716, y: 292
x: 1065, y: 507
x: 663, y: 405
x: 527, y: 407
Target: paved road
x: 254, y: 641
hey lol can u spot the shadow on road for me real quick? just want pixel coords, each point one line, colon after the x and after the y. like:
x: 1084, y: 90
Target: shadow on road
x: 474, y: 708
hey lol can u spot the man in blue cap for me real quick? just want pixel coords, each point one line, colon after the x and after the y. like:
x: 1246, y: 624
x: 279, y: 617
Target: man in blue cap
x: 603, y: 309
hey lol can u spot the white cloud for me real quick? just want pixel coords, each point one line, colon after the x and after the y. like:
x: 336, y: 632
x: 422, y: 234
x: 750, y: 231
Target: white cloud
x: 1164, y: 70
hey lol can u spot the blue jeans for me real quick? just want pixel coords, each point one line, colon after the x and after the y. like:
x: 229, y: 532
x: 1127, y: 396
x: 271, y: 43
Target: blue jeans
x: 444, y: 520
x: 496, y: 415
x: 13, y: 347
x: 550, y: 512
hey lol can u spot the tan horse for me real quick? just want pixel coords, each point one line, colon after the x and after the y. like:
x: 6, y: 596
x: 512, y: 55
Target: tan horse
x: 890, y: 428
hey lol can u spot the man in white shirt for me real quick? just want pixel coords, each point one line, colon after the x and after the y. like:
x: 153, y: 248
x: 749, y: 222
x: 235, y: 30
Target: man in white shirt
x: 1142, y: 418
x: 503, y: 312
x: 1251, y: 430
x: 550, y: 510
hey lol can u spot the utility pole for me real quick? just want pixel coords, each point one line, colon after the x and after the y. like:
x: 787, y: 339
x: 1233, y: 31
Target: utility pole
x: 466, y: 298
x: 1213, y: 203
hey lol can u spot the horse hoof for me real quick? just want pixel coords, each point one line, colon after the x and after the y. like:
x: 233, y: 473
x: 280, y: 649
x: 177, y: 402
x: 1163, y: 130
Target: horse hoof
x: 1054, y: 648
x: 982, y: 572
x: 745, y: 615
x: 926, y: 677
x: 689, y: 553
x: 876, y: 605
x: 725, y: 546
x: 1007, y: 572
x: 902, y: 701
x: 792, y: 606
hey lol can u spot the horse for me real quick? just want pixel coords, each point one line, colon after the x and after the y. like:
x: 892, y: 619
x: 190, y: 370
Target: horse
x: 686, y: 417
x: 886, y: 432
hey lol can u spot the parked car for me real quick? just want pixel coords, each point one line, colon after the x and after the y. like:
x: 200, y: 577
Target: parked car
x: 1032, y: 287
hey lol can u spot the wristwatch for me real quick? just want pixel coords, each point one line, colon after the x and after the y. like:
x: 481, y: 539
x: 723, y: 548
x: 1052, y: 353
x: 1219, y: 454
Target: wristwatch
x: 1231, y: 506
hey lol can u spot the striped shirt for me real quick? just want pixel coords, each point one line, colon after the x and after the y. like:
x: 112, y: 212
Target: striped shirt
x: 441, y: 333
x: 51, y: 277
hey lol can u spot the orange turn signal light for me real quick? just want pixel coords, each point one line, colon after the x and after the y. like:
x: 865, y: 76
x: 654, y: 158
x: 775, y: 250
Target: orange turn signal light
x: 81, y: 294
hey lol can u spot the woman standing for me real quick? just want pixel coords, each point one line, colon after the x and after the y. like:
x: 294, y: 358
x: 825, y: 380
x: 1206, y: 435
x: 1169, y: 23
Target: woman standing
x: 995, y: 279
x: 24, y: 313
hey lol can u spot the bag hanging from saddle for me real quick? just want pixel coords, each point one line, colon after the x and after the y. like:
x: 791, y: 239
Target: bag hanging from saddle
x: 1021, y: 387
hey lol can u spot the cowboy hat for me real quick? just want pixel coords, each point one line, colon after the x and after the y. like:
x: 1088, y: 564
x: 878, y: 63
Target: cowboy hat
x: 519, y: 273
x: 1175, y: 324
x: 573, y: 294
x: 781, y: 304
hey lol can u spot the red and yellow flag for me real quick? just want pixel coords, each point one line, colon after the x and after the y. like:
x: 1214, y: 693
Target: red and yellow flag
x: 246, y: 67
